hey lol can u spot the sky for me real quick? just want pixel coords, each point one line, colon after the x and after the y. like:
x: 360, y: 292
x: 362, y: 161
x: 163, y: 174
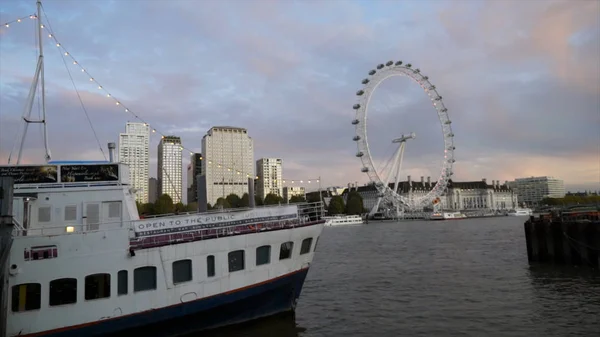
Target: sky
x: 520, y: 79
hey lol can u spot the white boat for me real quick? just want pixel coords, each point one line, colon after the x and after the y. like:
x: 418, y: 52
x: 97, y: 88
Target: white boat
x: 77, y: 260
x: 447, y: 216
x: 520, y: 212
x: 341, y: 220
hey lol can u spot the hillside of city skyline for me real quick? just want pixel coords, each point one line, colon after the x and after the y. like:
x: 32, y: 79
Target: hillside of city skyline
x: 534, y: 113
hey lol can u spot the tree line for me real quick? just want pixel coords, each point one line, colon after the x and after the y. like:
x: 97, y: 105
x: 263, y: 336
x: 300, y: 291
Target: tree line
x: 353, y: 205
x: 164, y: 204
x: 569, y: 200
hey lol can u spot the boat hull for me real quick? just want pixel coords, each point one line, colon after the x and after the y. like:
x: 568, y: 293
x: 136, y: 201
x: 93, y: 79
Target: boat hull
x: 241, y: 305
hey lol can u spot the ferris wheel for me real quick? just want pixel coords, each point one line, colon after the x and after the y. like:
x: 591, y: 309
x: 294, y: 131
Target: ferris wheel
x: 387, y: 193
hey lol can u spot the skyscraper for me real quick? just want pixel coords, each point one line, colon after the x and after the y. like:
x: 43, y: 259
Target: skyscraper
x: 134, y: 150
x: 194, y: 168
x: 170, y: 168
x: 228, y: 161
x: 269, y: 172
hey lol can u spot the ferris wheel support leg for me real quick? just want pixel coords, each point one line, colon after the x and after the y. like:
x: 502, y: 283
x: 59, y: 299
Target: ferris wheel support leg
x: 400, y: 157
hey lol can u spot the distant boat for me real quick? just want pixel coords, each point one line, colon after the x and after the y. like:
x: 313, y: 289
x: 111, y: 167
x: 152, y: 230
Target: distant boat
x: 341, y: 220
x: 520, y: 212
x: 447, y: 216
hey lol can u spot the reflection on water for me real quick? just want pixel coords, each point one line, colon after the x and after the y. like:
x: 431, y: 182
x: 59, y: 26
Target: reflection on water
x: 277, y: 326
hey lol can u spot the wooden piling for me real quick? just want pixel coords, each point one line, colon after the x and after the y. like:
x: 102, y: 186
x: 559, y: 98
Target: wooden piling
x: 569, y: 238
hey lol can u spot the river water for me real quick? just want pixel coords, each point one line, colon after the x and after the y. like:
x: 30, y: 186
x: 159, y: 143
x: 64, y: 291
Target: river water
x: 447, y: 278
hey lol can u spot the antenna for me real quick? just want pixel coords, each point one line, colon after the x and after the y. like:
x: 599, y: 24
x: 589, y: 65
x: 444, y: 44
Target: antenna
x: 37, y: 79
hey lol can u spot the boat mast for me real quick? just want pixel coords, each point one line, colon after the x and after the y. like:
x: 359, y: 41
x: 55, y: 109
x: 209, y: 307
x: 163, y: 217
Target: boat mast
x: 37, y: 79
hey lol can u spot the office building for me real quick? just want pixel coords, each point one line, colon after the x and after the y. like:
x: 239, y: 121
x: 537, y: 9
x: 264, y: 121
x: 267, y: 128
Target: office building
x: 533, y: 189
x: 194, y: 168
x: 170, y: 168
x: 134, y: 150
x: 228, y: 162
x: 269, y: 173
x: 291, y: 191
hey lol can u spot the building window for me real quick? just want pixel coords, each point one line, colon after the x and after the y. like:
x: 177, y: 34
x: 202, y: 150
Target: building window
x: 122, y: 282
x: 26, y: 297
x: 285, y: 252
x: 263, y: 255
x: 63, y: 291
x: 97, y: 286
x: 210, y: 266
x: 305, y: 248
x: 236, y: 260
x: 144, y: 278
x: 182, y: 271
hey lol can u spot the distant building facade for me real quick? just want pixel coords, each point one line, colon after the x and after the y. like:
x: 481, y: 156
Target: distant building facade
x: 152, y: 190
x: 194, y: 168
x: 228, y: 161
x: 270, y: 177
x: 170, y: 168
x: 134, y: 150
x: 291, y: 191
x: 470, y: 195
x: 533, y: 189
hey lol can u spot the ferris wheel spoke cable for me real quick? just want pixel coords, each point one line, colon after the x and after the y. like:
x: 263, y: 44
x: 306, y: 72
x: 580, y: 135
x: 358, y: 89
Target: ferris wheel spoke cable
x: 376, y: 77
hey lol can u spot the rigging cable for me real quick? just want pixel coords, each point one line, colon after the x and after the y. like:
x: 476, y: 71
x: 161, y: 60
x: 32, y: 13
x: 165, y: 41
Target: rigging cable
x: 75, y: 87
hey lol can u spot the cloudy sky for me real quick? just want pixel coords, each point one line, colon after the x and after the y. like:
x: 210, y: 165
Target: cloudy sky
x: 521, y: 80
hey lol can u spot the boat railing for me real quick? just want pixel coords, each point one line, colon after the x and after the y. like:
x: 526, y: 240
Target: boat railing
x: 66, y: 185
x: 313, y: 207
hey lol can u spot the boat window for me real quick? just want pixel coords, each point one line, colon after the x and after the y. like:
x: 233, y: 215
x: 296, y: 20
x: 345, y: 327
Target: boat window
x: 144, y: 278
x: 305, y: 248
x: 236, y: 260
x: 316, y: 243
x: 114, y: 209
x: 71, y: 213
x: 182, y: 271
x: 285, y: 252
x: 122, y: 282
x: 44, y: 214
x: 26, y: 297
x: 210, y: 266
x: 63, y: 291
x: 97, y: 286
x: 263, y: 255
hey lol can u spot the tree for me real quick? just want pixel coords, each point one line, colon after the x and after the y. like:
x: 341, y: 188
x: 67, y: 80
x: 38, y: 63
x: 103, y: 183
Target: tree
x: 179, y: 207
x: 354, y: 205
x: 245, y: 201
x: 191, y: 207
x: 164, y: 205
x: 258, y: 201
x: 336, y: 205
x: 222, y: 203
x: 146, y: 209
x: 233, y: 200
x: 313, y: 197
x: 297, y: 198
x: 273, y: 199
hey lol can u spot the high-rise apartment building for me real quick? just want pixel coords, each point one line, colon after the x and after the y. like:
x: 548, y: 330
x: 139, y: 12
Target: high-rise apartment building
x: 291, y: 191
x: 228, y: 161
x: 134, y: 150
x: 533, y: 189
x: 170, y: 168
x: 269, y: 173
x: 194, y: 168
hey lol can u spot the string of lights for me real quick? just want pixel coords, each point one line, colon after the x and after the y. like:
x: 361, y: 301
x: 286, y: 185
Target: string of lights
x: 19, y: 20
x: 121, y: 105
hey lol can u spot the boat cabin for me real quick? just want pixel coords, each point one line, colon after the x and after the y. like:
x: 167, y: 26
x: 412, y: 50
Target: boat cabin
x: 59, y: 199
